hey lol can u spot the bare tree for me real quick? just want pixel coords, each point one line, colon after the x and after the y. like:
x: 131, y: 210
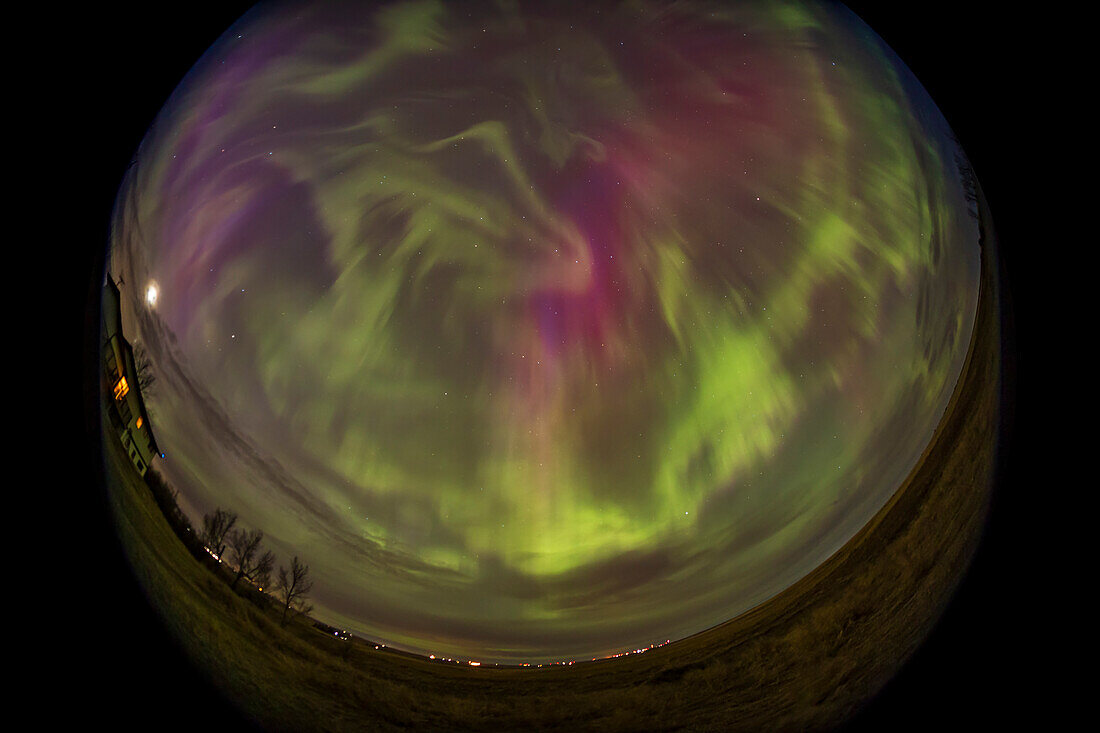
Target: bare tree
x: 146, y: 378
x: 293, y: 586
x: 215, y: 528
x: 246, y: 548
x: 261, y: 573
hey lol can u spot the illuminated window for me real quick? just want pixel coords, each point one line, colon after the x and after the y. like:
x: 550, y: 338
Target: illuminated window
x: 140, y: 421
x: 121, y: 388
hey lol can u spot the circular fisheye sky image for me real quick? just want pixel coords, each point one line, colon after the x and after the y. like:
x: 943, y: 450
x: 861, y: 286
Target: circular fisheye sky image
x: 494, y: 365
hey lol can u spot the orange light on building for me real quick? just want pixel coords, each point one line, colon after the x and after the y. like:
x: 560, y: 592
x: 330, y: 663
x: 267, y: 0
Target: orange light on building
x: 121, y: 388
x: 140, y: 420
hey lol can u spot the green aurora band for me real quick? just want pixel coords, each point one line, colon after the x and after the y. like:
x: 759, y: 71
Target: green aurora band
x: 541, y: 332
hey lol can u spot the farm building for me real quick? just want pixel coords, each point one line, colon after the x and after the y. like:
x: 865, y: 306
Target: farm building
x: 125, y: 406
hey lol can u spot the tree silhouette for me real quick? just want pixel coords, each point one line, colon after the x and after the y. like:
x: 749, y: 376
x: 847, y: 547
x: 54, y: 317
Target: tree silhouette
x: 146, y: 377
x: 215, y: 528
x: 246, y: 548
x: 261, y: 573
x: 293, y: 586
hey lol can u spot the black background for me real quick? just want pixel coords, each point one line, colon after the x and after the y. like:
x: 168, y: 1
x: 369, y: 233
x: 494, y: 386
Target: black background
x: 979, y: 668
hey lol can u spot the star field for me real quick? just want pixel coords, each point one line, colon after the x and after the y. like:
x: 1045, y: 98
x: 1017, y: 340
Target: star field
x: 544, y: 332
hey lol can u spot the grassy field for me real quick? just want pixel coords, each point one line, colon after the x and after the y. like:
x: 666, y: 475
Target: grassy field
x: 804, y: 660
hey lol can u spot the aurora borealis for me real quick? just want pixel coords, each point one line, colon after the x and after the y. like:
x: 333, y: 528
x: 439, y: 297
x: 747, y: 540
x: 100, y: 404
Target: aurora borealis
x: 545, y: 333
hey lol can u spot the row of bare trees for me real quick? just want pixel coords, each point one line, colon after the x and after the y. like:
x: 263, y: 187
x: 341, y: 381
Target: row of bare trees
x: 219, y: 530
x: 292, y: 585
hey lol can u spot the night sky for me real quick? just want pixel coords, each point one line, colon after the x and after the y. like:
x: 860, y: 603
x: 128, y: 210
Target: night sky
x: 545, y: 335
